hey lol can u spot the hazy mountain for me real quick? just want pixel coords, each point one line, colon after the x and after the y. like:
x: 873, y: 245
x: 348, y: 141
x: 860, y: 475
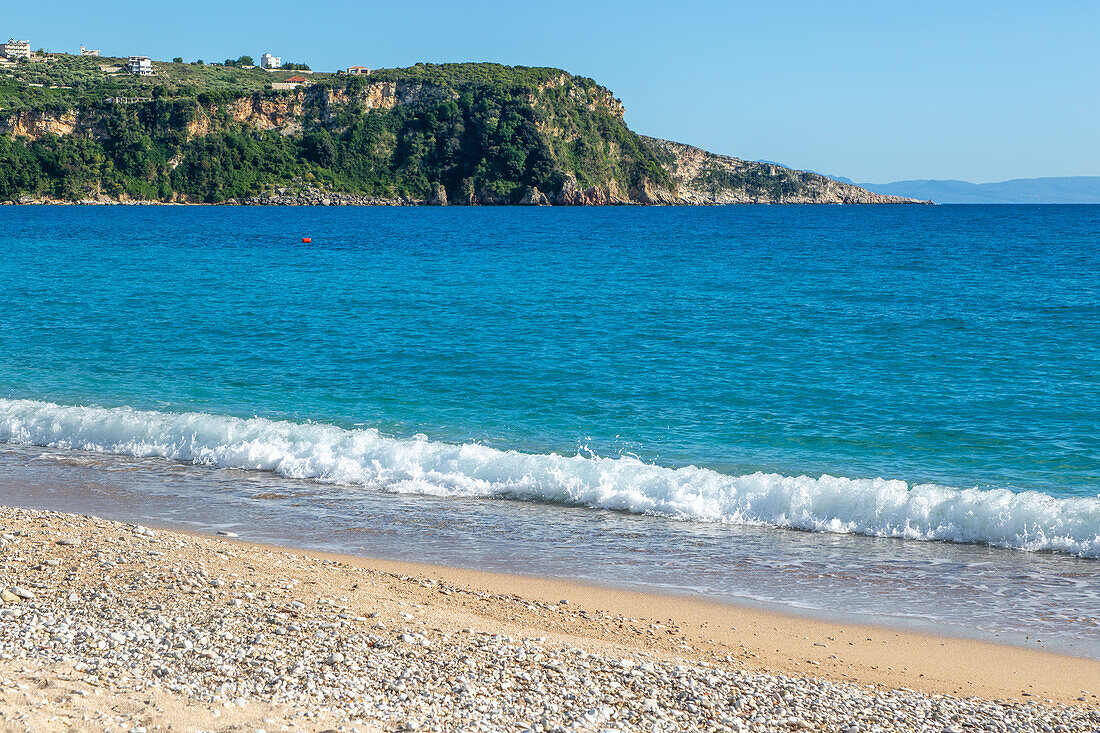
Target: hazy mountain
x: 1066, y: 190
x: 1070, y: 190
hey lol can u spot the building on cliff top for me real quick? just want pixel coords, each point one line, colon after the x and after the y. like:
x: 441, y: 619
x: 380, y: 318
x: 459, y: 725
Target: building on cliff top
x: 88, y: 52
x: 14, y: 49
x: 141, y: 66
x: 358, y: 70
x: 292, y: 83
x: 267, y: 61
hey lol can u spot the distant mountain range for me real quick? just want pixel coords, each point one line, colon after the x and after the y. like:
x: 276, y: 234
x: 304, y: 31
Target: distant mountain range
x: 1070, y: 190
x: 1067, y: 190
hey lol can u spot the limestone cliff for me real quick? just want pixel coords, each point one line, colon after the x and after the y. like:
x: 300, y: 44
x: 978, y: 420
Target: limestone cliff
x: 266, y: 114
x: 449, y: 134
x: 35, y: 125
x: 592, y: 98
x: 703, y: 178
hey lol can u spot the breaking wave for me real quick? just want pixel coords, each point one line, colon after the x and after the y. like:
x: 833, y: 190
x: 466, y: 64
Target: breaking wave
x: 877, y: 507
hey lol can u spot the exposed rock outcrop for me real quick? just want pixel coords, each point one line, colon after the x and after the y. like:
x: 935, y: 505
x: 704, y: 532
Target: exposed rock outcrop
x: 266, y: 113
x: 571, y: 194
x: 704, y: 178
x: 386, y: 95
x: 593, y: 97
x: 438, y: 196
x: 197, y: 126
x: 604, y: 161
x: 36, y: 125
x: 534, y: 197
x: 317, y: 197
x: 650, y: 194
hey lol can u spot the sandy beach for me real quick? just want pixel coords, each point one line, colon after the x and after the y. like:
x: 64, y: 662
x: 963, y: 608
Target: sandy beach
x: 109, y: 626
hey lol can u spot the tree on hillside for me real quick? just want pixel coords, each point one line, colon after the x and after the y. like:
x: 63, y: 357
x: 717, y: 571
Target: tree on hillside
x: 319, y: 148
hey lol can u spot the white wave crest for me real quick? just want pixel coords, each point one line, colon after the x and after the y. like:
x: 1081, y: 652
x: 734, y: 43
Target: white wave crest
x: 878, y: 507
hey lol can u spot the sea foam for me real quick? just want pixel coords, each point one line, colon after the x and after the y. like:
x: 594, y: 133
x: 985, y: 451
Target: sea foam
x: 878, y: 507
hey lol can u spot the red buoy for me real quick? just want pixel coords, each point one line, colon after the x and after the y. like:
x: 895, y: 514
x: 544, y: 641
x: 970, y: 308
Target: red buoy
x: 306, y: 240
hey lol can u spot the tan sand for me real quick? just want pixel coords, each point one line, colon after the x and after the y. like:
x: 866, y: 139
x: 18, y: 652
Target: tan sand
x: 449, y: 624
x: 762, y: 639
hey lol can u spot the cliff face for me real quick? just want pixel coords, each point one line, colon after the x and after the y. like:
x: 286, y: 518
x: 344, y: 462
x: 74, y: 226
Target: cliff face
x: 36, y: 125
x: 445, y: 135
x: 704, y: 178
x: 265, y: 114
x: 695, y: 177
x: 594, y: 99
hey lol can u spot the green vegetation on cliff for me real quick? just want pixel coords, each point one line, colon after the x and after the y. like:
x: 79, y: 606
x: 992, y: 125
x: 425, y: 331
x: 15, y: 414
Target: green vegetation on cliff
x: 69, y: 82
x: 485, y: 133
x: 74, y: 128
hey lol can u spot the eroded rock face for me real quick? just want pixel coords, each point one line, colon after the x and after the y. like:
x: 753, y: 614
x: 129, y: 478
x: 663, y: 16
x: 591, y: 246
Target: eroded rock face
x: 704, y: 178
x: 266, y: 114
x: 594, y: 98
x: 438, y: 196
x: 592, y: 196
x: 379, y: 96
x: 696, y: 177
x: 36, y: 125
x: 317, y: 197
x: 651, y: 194
x: 387, y: 95
x: 571, y: 194
x: 534, y: 197
x: 197, y: 126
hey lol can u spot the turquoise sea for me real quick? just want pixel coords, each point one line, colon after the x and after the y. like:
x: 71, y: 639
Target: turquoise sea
x: 885, y: 412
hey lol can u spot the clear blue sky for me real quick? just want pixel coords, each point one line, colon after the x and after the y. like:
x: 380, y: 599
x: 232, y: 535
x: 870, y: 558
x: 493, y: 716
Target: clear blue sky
x: 876, y: 91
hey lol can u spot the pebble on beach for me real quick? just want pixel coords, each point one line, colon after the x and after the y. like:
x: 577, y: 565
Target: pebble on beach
x: 257, y: 637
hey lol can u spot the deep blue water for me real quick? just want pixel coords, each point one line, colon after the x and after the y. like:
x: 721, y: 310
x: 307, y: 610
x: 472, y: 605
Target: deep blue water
x: 955, y: 345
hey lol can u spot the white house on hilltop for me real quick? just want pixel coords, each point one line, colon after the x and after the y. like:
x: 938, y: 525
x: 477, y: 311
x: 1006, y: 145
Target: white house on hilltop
x: 88, y: 52
x: 141, y: 66
x: 358, y: 70
x: 267, y: 61
x: 14, y: 49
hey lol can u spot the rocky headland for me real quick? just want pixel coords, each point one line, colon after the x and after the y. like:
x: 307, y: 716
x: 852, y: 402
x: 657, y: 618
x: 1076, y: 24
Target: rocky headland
x: 452, y: 134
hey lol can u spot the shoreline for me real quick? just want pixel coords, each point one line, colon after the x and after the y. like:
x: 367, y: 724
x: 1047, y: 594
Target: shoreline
x: 770, y: 571
x: 917, y: 625
x: 639, y: 593
x: 865, y: 652
x: 180, y: 627
x: 396, y: 204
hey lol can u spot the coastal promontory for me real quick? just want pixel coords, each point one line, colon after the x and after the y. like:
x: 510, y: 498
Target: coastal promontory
x: 84, y: 130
